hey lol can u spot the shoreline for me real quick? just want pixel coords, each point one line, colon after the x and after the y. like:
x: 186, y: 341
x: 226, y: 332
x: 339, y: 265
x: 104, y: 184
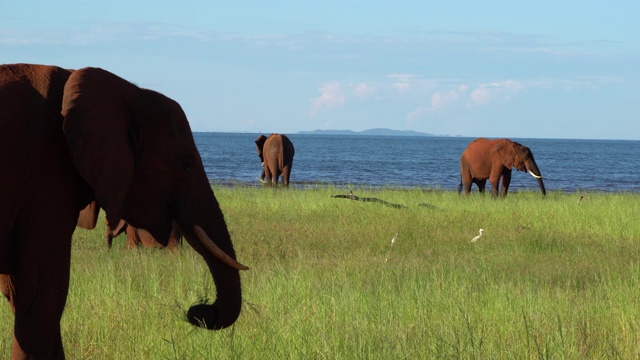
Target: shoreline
x: 312, y: 185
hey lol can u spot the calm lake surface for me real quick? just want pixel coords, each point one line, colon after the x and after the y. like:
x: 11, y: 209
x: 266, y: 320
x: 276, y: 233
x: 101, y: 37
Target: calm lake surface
x: 424, y: 162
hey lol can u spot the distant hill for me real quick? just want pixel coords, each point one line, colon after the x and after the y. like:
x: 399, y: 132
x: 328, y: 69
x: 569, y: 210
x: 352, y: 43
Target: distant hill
x: 377, y: 132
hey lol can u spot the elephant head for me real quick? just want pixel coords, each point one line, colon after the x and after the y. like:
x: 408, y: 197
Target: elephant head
x: 135, y: 149
x: 516, y: 155
x: 260, y: 146
x: 72, y: 137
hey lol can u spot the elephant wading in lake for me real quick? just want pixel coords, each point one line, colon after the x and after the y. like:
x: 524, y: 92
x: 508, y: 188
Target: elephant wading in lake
x: 68, y: 138
x: 493, y: 159
x: 276, y: 153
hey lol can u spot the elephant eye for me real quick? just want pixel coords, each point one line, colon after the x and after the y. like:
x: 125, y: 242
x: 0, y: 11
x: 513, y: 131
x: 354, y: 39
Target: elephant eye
x: 186, y: 166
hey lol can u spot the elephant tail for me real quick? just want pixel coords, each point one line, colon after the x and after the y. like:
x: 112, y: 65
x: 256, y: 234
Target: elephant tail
x: 460, y: 185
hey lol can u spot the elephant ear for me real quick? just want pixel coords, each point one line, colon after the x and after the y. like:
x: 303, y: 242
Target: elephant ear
x: 101, y: 134
x: 505, y: 152
x: 260, y: 145
x: 521, y: 153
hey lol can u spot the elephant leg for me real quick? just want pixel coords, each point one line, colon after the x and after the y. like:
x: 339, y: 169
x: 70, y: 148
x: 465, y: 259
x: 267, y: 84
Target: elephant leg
x: 286, y: 172
x: 506, y: 180
x: 6, y: 289
x: 495, y: 186
x: 467, y: 187
x: 133, y: 238
x: 172, y: 245
x: 108, y: 237
x: 175, y: 238
x: 465, y: 181
x: 41, y: 280
x: 110, y: 232
x: 481, y: 185
x: 147, y: 240
x: 267, y: 174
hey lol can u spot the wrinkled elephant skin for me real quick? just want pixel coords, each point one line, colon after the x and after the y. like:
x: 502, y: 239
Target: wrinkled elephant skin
x: 493, y: 160
x: 72, y: 137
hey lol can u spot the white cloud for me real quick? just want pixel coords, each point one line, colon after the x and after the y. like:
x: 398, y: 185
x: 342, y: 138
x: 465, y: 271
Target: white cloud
x: 442, y: 95
x: 480, y: 96
x: 441, y: 100
x: 488, y: 92
x: 334, y: 94
x: 415, y: 114
x: 331, y: 95
x: 468, y: 96
x: 363, y: 90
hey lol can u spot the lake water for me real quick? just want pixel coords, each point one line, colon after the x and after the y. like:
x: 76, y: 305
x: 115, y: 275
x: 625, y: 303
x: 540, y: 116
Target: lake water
x: 425, y: 162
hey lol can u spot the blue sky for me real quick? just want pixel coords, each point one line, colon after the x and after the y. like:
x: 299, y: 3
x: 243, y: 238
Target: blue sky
x: 541, y: 69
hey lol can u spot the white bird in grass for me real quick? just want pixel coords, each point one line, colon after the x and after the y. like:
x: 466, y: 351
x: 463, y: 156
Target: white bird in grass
x: 477, y: 237
x: 393, y: 241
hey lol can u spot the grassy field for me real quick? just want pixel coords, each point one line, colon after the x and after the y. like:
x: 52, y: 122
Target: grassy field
x: 550, y: 278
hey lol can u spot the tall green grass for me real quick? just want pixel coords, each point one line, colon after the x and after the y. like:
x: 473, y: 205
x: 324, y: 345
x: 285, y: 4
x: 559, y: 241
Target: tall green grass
x: 550, y: 278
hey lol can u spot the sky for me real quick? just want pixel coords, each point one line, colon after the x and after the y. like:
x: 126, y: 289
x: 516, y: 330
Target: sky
x: 520, y: 69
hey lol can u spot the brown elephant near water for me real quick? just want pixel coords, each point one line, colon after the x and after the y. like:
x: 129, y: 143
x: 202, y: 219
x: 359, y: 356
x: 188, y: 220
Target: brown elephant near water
x: 63, y: 135
x: 276, y: 154
x: 493, y: 159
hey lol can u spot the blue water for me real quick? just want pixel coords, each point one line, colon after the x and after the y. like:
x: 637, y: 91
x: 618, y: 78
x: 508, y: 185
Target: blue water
x: 425, y: 162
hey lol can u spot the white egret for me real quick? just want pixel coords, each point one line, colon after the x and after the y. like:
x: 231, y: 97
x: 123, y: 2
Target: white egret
x: 477, y: 237
x: 393, y: 241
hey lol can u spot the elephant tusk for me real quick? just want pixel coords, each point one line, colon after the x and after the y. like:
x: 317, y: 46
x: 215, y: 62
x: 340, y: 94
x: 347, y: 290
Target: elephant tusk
x: 534, y: 175
x: 215, y: 250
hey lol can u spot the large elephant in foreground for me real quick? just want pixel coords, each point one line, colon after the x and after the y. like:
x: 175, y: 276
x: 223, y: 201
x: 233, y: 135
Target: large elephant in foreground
x: 276, y: 153
x: 68, y: 138
x: 493, y: 159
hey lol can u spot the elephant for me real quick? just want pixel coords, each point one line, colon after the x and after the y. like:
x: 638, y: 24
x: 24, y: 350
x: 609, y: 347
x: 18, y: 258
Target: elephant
x: 276, y: 154
x: 70, y: 137
x: 137, y: 237
x: 493, y: 159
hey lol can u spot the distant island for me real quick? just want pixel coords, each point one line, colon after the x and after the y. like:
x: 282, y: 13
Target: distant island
x: 377, y: 132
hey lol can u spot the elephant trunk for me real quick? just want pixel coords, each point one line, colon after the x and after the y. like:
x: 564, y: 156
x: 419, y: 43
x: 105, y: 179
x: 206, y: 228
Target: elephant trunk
x: 220, y: 258
x: 532, y: 168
